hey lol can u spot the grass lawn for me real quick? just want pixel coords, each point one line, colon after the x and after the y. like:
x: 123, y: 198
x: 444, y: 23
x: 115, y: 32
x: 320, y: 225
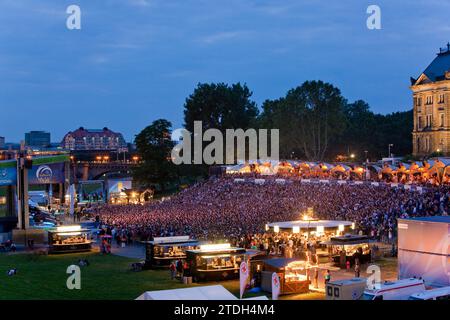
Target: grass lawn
x: 107, y: 277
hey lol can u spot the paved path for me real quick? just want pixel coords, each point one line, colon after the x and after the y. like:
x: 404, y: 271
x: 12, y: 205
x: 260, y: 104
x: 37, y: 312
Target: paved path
x: 134, y: 251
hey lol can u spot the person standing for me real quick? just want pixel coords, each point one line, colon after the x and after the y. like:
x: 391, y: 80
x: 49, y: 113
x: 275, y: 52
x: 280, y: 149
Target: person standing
x: 357, y: 270
x: 173, y: 271
x: 327, y: 277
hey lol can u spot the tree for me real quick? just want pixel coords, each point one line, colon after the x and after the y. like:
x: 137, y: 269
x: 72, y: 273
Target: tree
x: 309, y: 118
x: 154, y: 145
x: 220, y: 106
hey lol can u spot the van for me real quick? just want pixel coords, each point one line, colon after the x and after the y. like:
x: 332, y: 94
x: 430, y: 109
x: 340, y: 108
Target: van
x: 345, y: 289
x: 432, y: 294
x: 395, y: 290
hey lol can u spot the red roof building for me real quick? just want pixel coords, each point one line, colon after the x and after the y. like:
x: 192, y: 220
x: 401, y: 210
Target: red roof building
x: 93, y: 139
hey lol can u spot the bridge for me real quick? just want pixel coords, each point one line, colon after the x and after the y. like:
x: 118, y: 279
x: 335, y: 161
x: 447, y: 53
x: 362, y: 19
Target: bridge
x: 94, y: 170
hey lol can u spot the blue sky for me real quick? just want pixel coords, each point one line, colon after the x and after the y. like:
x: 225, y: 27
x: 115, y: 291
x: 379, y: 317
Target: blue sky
x: 135, y: 61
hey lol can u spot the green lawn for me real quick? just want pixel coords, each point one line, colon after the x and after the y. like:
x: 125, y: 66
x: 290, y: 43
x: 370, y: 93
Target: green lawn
x: 107, y: 277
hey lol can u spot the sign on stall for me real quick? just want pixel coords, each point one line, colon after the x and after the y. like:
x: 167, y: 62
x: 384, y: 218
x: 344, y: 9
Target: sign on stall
x: 394, y: 185
x: 260, y: 181
x: 275, y: 286
x: 342, y: 182
x: 239, y: 180
x: 305, y: 181
x: 359, y: 182
x: 243, y: 277
x: 375, y: 184
x: 324, y: 181
x: 280, y: 181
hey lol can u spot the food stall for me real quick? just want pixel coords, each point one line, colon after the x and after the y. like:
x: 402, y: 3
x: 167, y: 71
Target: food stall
x: 67, y: 239
x: 348, y: 248
x: 293, y: 273
x: 160, y: 252
x: 215, y: 262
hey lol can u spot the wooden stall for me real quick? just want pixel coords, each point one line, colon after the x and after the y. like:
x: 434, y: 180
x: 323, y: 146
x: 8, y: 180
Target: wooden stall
x: 293, y: 273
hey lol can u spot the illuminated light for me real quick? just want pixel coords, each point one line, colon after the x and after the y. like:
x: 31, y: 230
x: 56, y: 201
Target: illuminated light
x: 276, y: 229
x: 296, y: 229
x: 353, y: 226
x: 305, y: 217
x: 320, y: 229
x: 68, y: 228
x: 267, y: 227
x: 69, y: 233
x: 215, y: 247
x: 341, y: 227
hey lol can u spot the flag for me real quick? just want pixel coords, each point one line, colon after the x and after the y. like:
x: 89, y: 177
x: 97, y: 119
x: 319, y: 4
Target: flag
x: 275, y: 286
x: 243, y: 277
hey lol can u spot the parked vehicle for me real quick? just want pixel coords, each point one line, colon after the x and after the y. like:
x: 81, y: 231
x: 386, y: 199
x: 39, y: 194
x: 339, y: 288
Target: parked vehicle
x: 432, y: 294
x: 395, y: 290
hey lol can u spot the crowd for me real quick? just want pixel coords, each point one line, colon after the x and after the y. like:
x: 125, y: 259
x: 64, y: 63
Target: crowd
x: 221, y: 208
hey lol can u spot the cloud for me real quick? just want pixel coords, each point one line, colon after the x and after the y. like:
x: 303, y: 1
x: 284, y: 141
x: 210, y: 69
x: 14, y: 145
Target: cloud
x: 222, y: 36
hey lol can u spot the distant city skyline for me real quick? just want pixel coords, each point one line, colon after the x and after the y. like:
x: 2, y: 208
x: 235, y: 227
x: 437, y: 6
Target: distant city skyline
x: 135, y: 61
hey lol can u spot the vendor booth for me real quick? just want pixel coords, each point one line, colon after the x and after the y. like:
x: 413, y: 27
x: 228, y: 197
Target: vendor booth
x: 67, y: 239
x: 349, y: 248
x: 162, y: 251
x: 214, y: 262
x: 293, y: 275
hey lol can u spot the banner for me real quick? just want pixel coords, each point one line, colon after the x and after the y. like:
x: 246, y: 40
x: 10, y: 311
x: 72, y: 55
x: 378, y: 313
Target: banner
x: 46, y: 173
x: 243, y: 277
x: 275, y: 286
x: 8, y: 173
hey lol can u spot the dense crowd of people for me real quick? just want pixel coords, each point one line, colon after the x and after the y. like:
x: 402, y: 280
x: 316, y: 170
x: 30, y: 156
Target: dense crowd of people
x: 223, y: 209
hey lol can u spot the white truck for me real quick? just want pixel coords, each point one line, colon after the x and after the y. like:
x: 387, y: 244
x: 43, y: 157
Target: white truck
x: 432, y: 294
x: 394, y: 290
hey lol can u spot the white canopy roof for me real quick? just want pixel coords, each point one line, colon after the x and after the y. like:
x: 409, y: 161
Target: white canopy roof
x: 305, y: 224
x: 216, y: 292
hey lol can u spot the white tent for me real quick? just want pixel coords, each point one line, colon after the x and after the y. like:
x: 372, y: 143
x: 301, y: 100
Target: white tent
x: 216, y: 292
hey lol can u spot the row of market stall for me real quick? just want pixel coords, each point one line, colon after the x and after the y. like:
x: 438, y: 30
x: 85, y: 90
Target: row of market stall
x: 437, y: 169
x: 216, y: 262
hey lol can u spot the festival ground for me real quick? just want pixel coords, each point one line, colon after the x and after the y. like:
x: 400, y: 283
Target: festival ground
x: 110, y: 277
